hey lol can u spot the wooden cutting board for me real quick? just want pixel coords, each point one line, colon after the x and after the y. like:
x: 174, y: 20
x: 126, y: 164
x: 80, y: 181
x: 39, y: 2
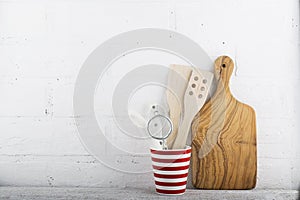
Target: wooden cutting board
x: 224, y: 138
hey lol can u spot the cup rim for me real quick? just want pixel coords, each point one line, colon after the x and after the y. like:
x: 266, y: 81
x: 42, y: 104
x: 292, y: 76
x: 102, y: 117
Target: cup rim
x: 187, y: 147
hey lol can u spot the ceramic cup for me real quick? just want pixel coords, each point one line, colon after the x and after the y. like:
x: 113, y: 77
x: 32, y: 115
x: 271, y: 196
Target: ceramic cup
x: 170, y: 169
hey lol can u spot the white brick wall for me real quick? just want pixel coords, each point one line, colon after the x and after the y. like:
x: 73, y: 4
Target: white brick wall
x: 44, y: 43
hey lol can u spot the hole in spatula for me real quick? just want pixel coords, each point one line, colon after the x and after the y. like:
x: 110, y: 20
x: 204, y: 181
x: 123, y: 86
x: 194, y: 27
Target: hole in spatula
x: 223, y: 65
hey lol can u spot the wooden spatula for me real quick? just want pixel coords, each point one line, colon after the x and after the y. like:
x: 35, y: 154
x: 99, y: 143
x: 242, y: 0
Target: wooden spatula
x: 224, y: 143
x: 194, y: 98
x: 178, y: 78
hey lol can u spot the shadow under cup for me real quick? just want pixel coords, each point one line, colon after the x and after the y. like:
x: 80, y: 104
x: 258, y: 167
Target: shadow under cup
x: 170, y: 169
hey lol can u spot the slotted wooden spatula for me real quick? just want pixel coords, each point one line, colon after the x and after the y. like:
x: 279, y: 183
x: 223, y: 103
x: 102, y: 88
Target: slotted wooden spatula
x: 194, y: 98
x: 224, y: 143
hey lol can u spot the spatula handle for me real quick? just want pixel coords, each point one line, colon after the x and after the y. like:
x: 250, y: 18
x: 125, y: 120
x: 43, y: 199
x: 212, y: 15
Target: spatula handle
x: 182, y: 135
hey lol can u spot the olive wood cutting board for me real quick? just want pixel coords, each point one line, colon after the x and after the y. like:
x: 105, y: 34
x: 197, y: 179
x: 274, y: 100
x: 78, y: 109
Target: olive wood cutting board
x: 224, y: 138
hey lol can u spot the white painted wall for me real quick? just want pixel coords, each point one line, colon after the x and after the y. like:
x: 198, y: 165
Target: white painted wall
x: 44, y: 43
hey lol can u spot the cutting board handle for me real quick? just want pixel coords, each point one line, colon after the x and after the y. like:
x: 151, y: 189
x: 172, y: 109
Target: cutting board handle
x: 223, y: 70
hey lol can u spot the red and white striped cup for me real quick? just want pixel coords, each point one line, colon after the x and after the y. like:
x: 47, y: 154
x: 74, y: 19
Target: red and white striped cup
x: 170, y: 169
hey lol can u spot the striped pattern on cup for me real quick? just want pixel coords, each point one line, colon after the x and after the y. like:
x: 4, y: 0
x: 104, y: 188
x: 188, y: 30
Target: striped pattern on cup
x: 170, y: 169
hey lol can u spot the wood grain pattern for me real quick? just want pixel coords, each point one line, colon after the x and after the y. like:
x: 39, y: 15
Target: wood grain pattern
x: 194, y: 98
x: 224, y: 138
